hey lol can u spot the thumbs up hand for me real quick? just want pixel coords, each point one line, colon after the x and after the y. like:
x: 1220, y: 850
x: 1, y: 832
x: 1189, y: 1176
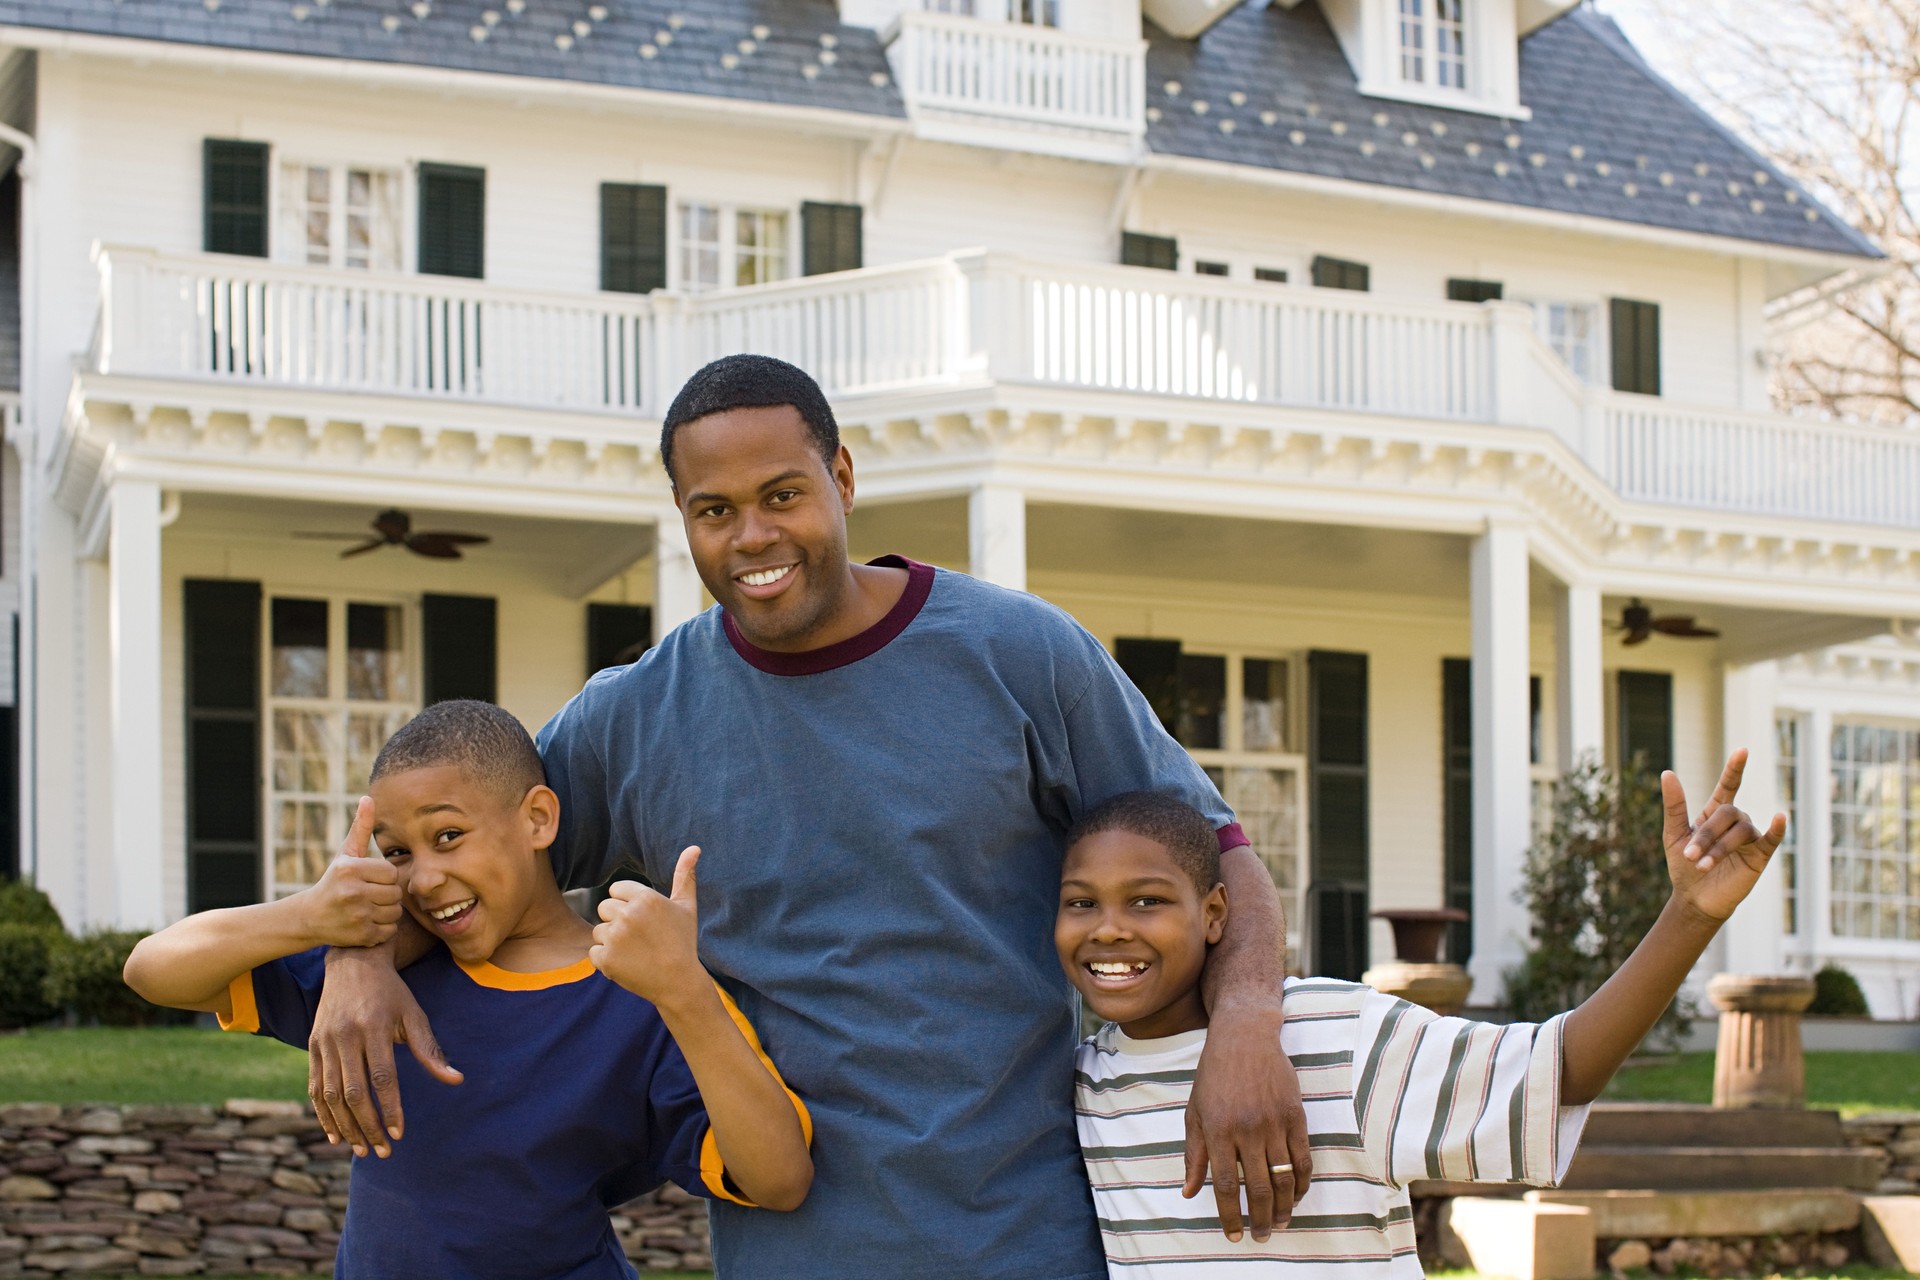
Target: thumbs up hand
x: 356, y: 902
x: 648, y: 943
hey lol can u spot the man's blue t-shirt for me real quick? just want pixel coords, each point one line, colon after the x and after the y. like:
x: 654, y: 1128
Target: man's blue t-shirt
x: 575, y: 1100
x: 881, y: 824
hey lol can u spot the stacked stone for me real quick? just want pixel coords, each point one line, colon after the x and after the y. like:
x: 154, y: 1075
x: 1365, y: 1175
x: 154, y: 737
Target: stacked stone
x: 1897, y: 1135
x: 251, y: 1187
x: 1756, y: 1256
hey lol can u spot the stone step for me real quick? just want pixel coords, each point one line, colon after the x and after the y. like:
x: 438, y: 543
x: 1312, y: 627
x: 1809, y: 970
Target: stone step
x: 1679, y: 1124
x: 1598, y: 1166
x: 1653, y: 1215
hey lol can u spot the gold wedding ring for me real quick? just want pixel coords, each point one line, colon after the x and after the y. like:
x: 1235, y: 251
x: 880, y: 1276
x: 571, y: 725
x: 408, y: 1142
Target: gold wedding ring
x: 1279, y: 1168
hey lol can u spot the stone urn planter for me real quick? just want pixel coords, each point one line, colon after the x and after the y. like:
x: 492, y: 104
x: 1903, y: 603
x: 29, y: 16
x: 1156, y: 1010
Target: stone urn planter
x: 1417, y: 974
x: 1758, y: 1062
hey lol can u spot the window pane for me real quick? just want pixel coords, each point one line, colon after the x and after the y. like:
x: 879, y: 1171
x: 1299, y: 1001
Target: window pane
x: 375, y: 669
x: 300, y: 845
x: 299, y: 639
x: 367, y: 731
x: 1263, y: 711
x: 1413, y: 39
x: 1203, y: 699
x: 1875, y: 831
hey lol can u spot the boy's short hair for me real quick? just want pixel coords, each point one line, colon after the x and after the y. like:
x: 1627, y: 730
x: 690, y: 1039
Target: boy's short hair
x: 750, y: 382
x: 479, y: 738
x: 1166, y: 820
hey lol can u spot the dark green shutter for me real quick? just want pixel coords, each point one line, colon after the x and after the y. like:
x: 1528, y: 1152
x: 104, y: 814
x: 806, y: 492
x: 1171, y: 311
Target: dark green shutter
x: 235, y: 199
x: 1635, y: 330
x: 1154, y: 668
x: 1160, y: 252
x: 617, y: 634
x: 1337, y: 789
x: 224, y: 780
x: 458, y: 648
x: 1338, y: 273
x: 1474, y: 290
x: 830, y: 238
x: 1456, y: 821
x: 633, y: 237
x: 1646, y: 718
x: 453, y: 219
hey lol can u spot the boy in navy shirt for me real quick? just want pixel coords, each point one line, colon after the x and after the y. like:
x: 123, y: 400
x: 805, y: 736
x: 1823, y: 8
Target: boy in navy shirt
x: 599, y: 1061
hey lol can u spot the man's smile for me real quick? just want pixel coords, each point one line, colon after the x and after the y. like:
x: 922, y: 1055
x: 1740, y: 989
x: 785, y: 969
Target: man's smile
x: 763, y: 583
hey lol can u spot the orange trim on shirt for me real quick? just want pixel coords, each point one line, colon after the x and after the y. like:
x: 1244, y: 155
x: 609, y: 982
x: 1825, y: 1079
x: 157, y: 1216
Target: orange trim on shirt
x: 488, y: 974
x: 243, y: 1014
x: 713, y: 1170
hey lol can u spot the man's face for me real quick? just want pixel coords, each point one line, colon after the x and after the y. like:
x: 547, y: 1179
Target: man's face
x: 468, y: 857
x: 1133, y: 932
x: 766, y: 521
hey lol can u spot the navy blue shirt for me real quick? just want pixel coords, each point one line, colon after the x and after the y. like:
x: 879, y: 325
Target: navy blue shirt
x: 882, y: 824
x: 575, y: 1100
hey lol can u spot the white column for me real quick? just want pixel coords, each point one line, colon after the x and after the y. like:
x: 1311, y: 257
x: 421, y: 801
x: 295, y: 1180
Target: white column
x: 676, y: 584
x: 1747, y: 708
x: 997, y: 535
x: 1502, y: 782
x: 1813, y: 841
x: 1581, y: 700
x: 133, y: 638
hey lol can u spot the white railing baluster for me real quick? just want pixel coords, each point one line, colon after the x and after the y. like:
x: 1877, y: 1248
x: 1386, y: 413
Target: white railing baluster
x: 1016, y: 72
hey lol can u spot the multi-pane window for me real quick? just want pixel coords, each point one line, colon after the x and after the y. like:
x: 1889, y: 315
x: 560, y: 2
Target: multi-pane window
x: 1433, y: 43
x: 724, y: 246
x: 339, y: 682
x: 1038, y: 13
x: 1786, y: 735
x: 339, y: 216
x: 1572, y: 329
x: 1874, y: 854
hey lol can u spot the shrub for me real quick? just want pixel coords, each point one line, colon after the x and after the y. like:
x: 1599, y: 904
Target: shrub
x: 83, y: 976
x: 1837, y: 994
x: 24, y: 952
x: 1596, y: 880
x: 21, y: 903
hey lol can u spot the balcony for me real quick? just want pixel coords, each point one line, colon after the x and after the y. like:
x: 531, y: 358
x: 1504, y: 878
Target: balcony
x: 1009, y: 84
x: 1118, y: 339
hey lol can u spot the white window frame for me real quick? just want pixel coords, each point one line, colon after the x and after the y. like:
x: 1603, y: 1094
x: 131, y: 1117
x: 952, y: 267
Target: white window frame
x: 1843, y: 722
x: 288, y: 190
x: 728, y: 212
x: 338, y: 815
x: 1430, y: 28
x: 1596, y: 342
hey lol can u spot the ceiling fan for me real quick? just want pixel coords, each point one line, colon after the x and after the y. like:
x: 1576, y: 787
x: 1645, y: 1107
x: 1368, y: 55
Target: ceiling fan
x: 1639, y: 624
x: 394, y: 528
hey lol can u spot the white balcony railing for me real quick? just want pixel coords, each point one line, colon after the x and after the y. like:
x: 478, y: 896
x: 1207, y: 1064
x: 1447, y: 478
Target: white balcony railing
x: 968, y: 319
x: 1012, y: 72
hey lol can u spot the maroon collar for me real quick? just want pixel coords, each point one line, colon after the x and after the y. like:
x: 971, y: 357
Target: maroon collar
x: 812, y: 662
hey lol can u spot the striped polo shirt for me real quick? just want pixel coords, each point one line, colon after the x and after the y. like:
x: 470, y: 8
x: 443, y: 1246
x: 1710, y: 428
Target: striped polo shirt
x: 1392, y: 1092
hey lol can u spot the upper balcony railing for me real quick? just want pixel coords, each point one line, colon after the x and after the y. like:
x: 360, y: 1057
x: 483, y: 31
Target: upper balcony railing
x: 975, y: 71
x: 970, y: 319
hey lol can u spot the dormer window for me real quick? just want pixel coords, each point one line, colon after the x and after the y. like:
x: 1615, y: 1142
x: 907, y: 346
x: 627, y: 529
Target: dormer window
x: 1433, y: 43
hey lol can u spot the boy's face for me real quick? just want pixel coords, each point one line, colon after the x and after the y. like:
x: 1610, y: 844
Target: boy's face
x: 1133, y: 933
x: 471, y: 861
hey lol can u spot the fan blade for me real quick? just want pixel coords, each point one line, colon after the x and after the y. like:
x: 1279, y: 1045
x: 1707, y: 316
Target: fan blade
x: 1635, y: 637
x: 1678, y: 626
x: 392, y: 524
x: 371, y: 544
x: 330, y: 537
x: 434, y: 545
x: 462, y: 539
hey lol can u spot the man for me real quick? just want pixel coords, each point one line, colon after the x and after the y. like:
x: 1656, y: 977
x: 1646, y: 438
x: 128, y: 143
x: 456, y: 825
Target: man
x: 880, y: 762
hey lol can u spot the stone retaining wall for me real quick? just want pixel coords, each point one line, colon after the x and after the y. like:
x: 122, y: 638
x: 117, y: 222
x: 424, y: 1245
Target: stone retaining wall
x: 250, y: 1187
x: 1897, y: 1135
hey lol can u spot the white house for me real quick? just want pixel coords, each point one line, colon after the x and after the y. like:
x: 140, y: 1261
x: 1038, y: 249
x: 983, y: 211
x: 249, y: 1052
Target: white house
x: 1349, y: 366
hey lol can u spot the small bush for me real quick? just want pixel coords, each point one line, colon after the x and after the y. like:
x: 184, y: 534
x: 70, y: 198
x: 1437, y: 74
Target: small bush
x: 21, y: 903
x: 83, y: 976
x: 1837, y: 994
x: 25, y: 950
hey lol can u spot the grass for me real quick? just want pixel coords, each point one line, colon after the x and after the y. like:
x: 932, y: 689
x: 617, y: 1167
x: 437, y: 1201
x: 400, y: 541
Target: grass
x: 146, y: 1065
x: 1850, y: 1083
x: 1854, y: 1272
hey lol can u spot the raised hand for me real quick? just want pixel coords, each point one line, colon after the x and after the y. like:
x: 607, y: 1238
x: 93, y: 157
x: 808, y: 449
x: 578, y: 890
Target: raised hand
x: 1715, y: 862
x: 649, y: 944
x: 356, y: 902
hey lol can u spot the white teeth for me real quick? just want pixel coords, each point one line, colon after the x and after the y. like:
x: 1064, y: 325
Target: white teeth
x: 447, y: 913
x: 765, y: 577
x: 1112, y: 969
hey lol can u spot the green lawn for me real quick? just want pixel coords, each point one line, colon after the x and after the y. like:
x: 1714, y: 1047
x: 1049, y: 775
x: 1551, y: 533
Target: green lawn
x: 1857, y: 1272
x: 152, y: 1065
x: 1849, y: 1083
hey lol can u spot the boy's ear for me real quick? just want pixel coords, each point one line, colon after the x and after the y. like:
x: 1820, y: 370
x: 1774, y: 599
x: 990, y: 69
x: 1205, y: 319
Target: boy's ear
x: 540, y: 807
x: 1213, y: 911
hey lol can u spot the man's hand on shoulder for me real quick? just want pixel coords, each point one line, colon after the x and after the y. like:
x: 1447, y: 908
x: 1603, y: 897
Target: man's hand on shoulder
x: 1245, y: 1120
x: 365, y: 1009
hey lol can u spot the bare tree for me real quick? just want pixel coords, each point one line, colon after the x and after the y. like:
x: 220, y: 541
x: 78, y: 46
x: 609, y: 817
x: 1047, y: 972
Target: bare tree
x: 1830, y: 89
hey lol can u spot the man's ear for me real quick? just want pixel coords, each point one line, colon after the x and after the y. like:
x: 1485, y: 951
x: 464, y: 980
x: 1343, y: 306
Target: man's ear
x: 1213, y: 910
x: 540, y: 809
x: 842, y: 472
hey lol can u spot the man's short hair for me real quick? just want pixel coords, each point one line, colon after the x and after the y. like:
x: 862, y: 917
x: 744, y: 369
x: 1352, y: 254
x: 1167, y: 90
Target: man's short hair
x: 480, y: 739
x: 751, y: 382
x: 1166, y: 820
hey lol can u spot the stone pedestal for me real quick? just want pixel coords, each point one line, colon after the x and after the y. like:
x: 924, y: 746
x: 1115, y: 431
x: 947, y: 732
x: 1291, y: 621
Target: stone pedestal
x: 1758, y: 1064
x: 1442, y: 988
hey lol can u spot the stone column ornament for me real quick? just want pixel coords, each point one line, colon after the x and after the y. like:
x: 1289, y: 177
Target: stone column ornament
x: 1417, y: 975
x: 1758, y: 1063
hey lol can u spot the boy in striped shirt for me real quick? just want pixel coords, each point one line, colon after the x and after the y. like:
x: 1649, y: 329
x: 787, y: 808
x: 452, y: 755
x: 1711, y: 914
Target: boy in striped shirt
x: 1392, y: 1092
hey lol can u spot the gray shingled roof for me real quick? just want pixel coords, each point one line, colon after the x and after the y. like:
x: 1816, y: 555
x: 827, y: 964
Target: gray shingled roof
x: 1266, y: 86
x: 760, y: 50
x: 1609, y: 138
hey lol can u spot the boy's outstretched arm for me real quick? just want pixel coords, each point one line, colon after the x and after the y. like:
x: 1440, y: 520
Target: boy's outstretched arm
x: 649, y: 945
x: 191, y: 964
x: 1713, y: 865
